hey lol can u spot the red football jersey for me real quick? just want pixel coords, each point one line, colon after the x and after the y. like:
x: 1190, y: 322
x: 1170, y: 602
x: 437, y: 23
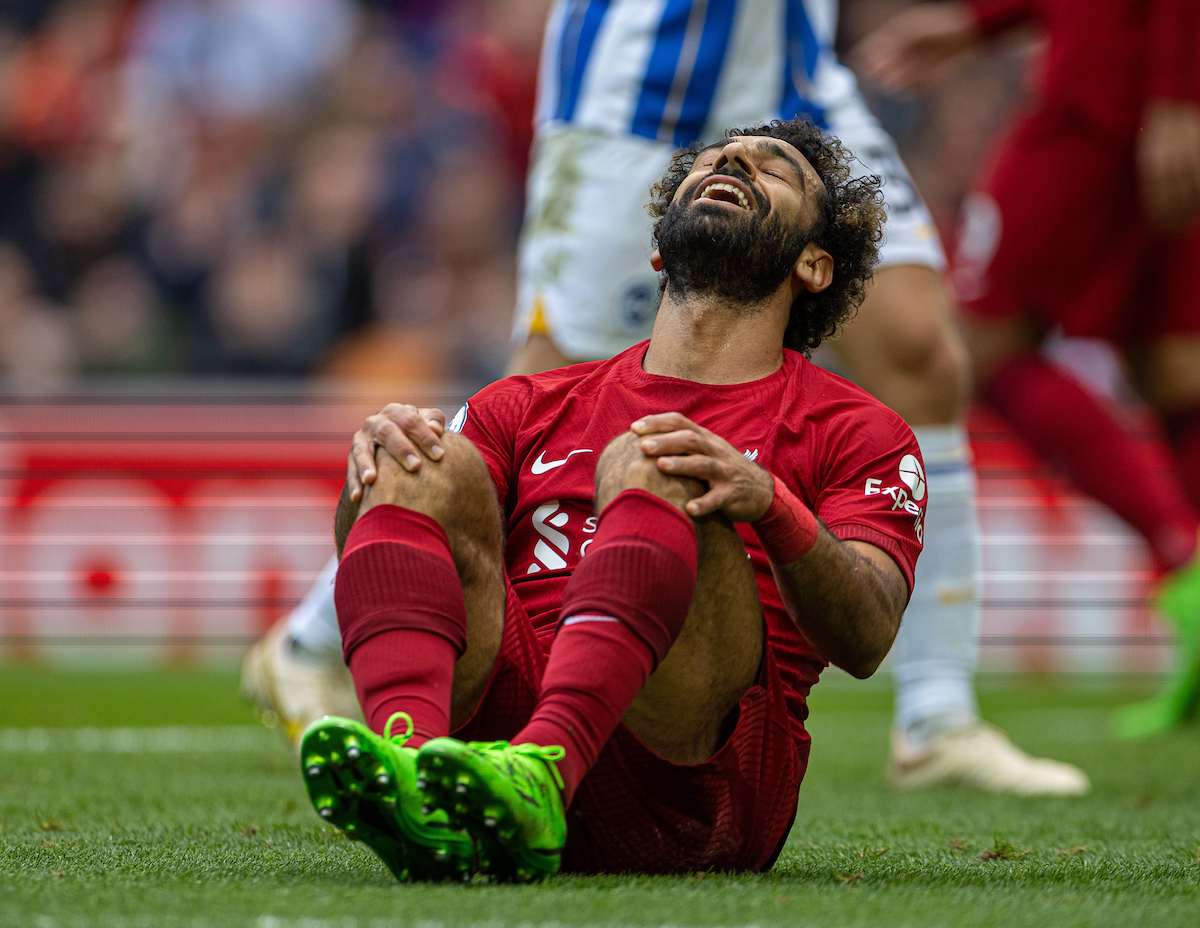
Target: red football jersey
x: 853, y: 461
x: 1106, y: 58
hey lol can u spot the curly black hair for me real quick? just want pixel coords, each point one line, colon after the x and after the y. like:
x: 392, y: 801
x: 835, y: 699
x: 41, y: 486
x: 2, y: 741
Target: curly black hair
x: 849, y: 225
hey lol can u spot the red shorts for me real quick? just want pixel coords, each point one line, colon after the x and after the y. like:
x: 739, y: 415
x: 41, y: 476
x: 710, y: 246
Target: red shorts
x: 1058, y: 235
x: 635, y: 811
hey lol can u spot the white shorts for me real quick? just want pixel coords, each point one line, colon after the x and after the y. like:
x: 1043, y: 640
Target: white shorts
x: 584, y: 274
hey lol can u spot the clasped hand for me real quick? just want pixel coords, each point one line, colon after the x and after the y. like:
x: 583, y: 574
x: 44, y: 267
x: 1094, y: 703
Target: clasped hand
x: 737, y: 487
x: 407, y: 433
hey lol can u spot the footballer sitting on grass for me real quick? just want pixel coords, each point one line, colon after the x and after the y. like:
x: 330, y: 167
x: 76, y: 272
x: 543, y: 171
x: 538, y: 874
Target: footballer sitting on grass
x: 583, y: 619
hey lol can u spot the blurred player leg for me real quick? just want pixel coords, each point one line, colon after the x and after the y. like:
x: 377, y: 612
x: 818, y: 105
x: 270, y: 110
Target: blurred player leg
x: 1068, y: 426
x: 904, y: 348
x: 1168, y: 375
x: 295, y: 673
x: 312, y: 625
x: 905, y: 344
x: 936, y: 652
x: 1072, y: 428
x: 1024, y: 275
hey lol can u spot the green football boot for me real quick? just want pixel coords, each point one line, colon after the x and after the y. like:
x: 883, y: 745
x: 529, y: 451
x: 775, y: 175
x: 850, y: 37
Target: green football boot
x: 1179, y: 601
x: 367, y: 786
x: 508, y: 797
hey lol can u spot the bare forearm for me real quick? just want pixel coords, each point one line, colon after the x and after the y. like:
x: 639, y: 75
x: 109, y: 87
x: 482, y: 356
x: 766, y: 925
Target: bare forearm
x: 846, y: 601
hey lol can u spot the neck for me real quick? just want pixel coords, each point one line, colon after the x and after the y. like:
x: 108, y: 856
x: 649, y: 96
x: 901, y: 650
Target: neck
x: 702, y: 338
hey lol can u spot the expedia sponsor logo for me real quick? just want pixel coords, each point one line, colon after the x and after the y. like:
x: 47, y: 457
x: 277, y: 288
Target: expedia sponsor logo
x: 906, y: 496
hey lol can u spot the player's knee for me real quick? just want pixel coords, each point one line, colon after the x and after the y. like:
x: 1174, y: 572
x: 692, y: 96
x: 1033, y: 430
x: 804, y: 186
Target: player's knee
x: 930, y: 349
x: 442, y: 490
x: 924, y: 374
x: 909, y: 336
x: 624, y: 466
x: 946, y: 367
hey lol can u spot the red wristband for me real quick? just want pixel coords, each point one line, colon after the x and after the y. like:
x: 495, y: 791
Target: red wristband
x: 788, y: 529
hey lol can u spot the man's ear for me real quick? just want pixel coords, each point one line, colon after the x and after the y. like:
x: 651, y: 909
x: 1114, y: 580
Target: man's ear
x: 656, y: 260
x: 813, y: 270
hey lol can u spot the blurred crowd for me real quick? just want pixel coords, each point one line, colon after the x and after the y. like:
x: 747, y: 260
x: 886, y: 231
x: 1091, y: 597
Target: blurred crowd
x: 319, y: 188
x: 264, y: 187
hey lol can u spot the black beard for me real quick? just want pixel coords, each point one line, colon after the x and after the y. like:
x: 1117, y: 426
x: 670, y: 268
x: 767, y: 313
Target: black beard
x: 709, y: 250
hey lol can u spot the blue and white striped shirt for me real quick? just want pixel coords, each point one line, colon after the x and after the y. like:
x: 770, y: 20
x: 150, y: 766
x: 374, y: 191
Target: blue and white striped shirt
x: 681, y: 70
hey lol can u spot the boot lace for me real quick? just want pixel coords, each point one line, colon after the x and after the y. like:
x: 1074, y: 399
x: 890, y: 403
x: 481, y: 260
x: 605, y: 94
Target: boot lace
x: 398, y: 740
x: 548, y: 755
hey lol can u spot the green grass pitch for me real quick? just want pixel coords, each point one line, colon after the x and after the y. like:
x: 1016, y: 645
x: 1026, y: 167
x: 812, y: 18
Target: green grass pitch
x: 207, y: 825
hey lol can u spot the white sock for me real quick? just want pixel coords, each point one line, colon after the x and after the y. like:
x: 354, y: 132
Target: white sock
x: 935, y: 654
x: 313, y: 624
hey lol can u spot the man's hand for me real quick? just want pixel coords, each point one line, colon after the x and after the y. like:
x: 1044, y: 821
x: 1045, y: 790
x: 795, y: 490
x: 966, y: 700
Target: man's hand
x: 914, y: 48
x: 1168, y: 162
x: 737, y: 487
x: 404, y: 432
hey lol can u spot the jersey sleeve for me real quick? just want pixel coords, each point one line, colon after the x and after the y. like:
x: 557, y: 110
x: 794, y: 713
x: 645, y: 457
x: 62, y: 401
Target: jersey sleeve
x: 1173, y: 52
x: 870, y: 485
x: 491, y: 419
x: 993, y: 16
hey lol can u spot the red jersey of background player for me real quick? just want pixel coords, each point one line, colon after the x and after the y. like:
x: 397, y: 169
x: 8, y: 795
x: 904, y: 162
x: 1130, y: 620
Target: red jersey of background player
x: 848, y: 457
x: 1106, y: 58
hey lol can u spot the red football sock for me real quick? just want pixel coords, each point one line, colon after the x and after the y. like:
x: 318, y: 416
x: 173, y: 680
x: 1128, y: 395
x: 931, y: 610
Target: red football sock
x: 403, y: 619
x: 1071, y: 428
x: 1183, y: 433
x: 622, y: 610
x: 405, y: 670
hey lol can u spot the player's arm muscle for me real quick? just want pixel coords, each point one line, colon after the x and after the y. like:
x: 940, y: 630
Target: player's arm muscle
x: 847, y: 598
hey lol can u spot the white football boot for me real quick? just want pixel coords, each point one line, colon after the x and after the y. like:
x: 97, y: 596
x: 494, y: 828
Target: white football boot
x: 290, y: 692
x: 980, y: 756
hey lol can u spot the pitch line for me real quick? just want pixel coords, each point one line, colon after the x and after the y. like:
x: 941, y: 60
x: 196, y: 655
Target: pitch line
x: 275, y: 921
x: 349, y: 921
x: 169, y: 739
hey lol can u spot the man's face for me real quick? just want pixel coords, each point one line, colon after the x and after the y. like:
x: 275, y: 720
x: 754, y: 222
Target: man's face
x: 739, y: 220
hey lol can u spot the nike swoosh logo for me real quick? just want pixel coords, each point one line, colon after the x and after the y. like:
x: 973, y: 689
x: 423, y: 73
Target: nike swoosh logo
x: 540, y: 466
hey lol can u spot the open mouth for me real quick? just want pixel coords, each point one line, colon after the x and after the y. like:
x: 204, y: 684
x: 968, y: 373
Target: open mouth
x: 725, y: 189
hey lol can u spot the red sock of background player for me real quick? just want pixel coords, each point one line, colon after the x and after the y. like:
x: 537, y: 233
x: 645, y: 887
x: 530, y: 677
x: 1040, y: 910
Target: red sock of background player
x: 623, y: 608
x: 403, y: 619
x: 1068, y: 426
x: 1183, y: 434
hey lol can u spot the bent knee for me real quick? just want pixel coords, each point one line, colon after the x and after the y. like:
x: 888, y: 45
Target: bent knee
x: 436, y: 487
x: 457, y: 492
x: 940, y: 359
x: 624, y: 466
x: 906, y: 332
x: 929, y: 347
